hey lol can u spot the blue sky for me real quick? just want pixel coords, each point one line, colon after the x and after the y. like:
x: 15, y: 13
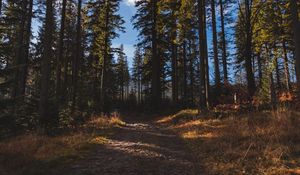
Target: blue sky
x: 128, y: 39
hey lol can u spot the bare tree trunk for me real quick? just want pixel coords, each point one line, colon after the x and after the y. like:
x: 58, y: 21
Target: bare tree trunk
x: 26, y: 47
x: 191, y: 70
x: 155, y: 83
x: 103, y: 87
x: 174, y: 61
x: 248, y: 50
x: 277, y: 74
x: 224, y: 53
x: 260, y: 74
x: 184, y: 72
x: 286, y: 67
x: 272, y: 90
x: 296, y: 30
x: 45, y: 67
x: 60, y: 53
x: 77, y: 56
x: 215, y: 47
x: 204, y: 105
x: 174, y: 73
x: 22, y: 55
x: 19, y: 62
x: 0, y: 8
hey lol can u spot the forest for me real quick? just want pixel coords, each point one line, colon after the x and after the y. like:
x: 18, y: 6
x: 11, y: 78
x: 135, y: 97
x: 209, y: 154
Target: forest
x: 213, y: 87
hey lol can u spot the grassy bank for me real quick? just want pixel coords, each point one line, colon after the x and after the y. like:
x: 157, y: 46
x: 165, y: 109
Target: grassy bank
x: 254, y: 143
x: 35, y: 154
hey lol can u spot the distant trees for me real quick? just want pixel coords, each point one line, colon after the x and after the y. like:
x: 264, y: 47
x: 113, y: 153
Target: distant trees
x: 123, y: 75
x: 137, y: 74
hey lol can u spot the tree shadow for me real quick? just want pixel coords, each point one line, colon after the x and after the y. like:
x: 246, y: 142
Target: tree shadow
x: 138, y: 149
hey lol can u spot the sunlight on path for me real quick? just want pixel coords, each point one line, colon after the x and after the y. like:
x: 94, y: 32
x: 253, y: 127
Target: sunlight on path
x: 138, y: 148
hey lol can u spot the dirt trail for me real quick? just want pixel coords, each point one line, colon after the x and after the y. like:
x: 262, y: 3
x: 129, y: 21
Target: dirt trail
x: 138, y: 149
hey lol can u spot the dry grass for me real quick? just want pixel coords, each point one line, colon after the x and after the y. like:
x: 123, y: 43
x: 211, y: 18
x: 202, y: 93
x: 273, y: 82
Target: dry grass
x: 36, y: 154
x: 257, y: 143
x: 182, y: 115
x: 104, y: 122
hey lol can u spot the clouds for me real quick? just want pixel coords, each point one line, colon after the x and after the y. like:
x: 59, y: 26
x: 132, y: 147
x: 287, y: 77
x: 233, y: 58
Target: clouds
x: 130, y: 2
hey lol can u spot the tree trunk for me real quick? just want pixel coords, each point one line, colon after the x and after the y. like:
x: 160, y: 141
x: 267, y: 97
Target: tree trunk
x: 272, y: 90
x: 260, y: 74
x: 296, y: 30
x: 45, y: 67
x: 277, y: 74
x: 248, y: 51
x: 184, y: 72
x: 204, y: 105
x: 191, y: 70
x: 286, y: 67
x: 155, y: 82
x: 224, y: 52
x: 174, y: 73
x: 60, y: 54
x: 0, y: 8
x: 77, y: 56
x: 215, y: 47
x: 20, y: 59
x: 26, y: 47
x: 103, y: 88
x: 23, y: 51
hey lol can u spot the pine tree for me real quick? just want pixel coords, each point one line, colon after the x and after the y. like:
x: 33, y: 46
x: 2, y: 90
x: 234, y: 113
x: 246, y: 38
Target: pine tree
x: 104, y: 22
x: 44, y: 107
x: 145, y: 20
x: 137, y: 68
x: 215, y: 47
x: 296, y: 34
x: 122, y: 73
x: 78, y: 55
x: 244, y: 41
x: 204, y: 72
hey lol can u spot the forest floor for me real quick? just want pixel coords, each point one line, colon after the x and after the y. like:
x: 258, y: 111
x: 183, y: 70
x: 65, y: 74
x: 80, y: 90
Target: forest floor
x: 140, y: 148
x: 134, y: 147
x: 179, y: 144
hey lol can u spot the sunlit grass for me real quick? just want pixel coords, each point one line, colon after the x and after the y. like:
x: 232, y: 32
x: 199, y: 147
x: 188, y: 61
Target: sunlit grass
x: 105, y: 122
x: 195, y: 134
x: 180, y: 115
x: 98, y: 140
x: 30, y: 152
x: 257, y: 143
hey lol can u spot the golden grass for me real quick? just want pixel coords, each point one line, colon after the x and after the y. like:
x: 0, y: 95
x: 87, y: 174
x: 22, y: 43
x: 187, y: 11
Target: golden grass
x: 184, y: 114
x: 104, y: 122
x: 257, y: 143
x: 37, y: 154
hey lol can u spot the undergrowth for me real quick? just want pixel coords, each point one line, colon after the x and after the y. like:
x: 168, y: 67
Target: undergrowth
x: 38, y: 154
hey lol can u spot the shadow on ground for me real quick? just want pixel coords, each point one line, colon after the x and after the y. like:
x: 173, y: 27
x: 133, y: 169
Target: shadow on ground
x: 138, y: 149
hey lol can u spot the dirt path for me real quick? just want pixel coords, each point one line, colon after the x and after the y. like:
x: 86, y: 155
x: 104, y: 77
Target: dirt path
x: 138, y: 149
